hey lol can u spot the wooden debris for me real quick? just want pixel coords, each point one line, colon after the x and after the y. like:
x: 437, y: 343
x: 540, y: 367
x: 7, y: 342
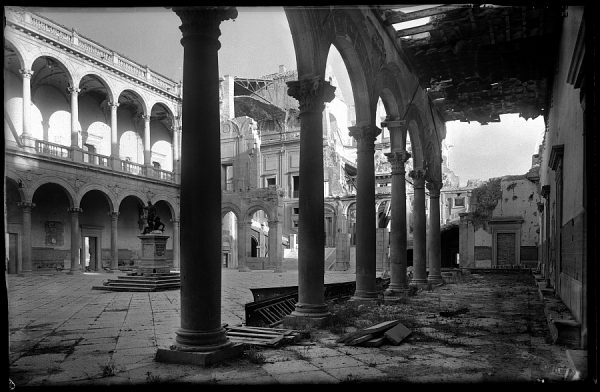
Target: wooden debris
x: 359, y: 340
x: 271, y: 337
x: 372, y: 330
x: 375, y: 342
x: 397, y: 334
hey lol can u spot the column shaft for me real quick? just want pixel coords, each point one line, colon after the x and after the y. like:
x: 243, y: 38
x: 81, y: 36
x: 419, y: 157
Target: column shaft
x: 398, y: 253
x: 114, y: 242
x: 275, y: 249
x: 114, y: 138
x: 419, y: 229
x: 365, y: 213
x: 74, y: 116
x: 242, y: 242
x: 26, y: 73
x: 200, y: 208
x: 311, y: 93
x: 147, y: 156
x: 26, y: 244
x: 434, y: 243
x: 75, y: 240
x: 176, y: 245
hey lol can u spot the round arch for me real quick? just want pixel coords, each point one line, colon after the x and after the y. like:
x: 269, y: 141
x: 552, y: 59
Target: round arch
x: 165, y: 200
x: 415, y: 125
x: 227, y: 207
x: 358, y: 81
x: 17, y: 49
x: 257, y: 207
x: 95, y: 187
x: 10, y: 175
x: 133, y: 98
x: 102, y: 80
x: 69, y: 191
x: 63, y: 62
x: 138, y: 195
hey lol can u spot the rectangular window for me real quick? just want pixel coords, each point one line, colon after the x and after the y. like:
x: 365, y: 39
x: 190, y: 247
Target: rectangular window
x: 296, y: 210
x: 295, y: 186
x: 227, y: 177
x: 270, y: 181
x: 459, y: 202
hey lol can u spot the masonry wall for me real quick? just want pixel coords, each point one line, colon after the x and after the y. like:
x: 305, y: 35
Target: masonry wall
x: 564, y: 262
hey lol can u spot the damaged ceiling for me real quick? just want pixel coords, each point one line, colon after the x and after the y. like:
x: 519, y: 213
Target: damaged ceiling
x: 480, y: 61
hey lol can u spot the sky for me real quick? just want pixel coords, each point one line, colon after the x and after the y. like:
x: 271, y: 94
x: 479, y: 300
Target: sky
x: 256, y: 43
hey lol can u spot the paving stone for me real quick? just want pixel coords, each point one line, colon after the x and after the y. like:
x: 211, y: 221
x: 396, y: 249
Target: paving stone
x: 309, y: 377
x: 289, y: 367
x: 354, y: 373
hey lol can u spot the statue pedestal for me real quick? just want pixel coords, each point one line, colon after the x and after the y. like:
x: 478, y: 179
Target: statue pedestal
x: 154, y: 254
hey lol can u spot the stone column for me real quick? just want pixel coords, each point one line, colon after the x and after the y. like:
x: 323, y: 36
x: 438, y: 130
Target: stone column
x: 147, y: 154
x: 75, y: 240
x: 242, y: 244
x: 275, y: 249
x: 434, y: 241
x: 176, y: 244
x: 175, y: 149
x: 398, y: 253
x: 419, y: 229
x: 114, y: 242
x: 311, y: 93
x: 26, y: 244
x: 365, y: 212
x: 201, y: 329
x: 75, y: 142
x: 26, y: 137
x: 114, y: 136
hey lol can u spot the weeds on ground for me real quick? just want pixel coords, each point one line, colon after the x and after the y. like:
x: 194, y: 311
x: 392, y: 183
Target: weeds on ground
x: 150, y: 378
x: 255, y: 356
x: 109, y: 370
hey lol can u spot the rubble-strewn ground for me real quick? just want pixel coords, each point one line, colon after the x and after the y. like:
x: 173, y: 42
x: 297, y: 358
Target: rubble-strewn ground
x: 491, y: 328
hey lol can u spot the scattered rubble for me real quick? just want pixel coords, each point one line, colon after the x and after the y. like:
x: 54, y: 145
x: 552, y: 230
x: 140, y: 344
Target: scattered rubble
x: 376, y: 335
x: 270, y: 337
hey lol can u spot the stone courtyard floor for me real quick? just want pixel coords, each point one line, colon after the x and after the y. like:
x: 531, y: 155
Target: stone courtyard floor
x: 63, y: 333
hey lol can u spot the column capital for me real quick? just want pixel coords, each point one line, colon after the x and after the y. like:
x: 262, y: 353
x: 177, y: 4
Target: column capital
x: 146, y: 117
x: 434, y: 188
x: 114, y: 214
x: 203, y: 22
x: 311, y: 93
x: 365, y: 136
x: 74, y: 210
x: 26, y: 205
x: 73, y: 90
x: 397, y: 159
x: 418, y: 177
x: 113, y: 105
x: 26, y: 73
x: 274, y: 221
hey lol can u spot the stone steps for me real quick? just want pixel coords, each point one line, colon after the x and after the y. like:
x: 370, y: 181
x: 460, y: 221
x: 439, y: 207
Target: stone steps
x: 148, y: 282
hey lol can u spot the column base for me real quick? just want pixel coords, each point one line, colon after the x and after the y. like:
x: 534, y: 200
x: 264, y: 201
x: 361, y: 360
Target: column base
x: 435, y: 279
x: 201, y: 341
x: 365, y: 296
x: 205, y: 358
x: 419, y: 283
x: 244, y: 269
x: 300, y: 321
x: 74, y: 272
x: 395, y: 294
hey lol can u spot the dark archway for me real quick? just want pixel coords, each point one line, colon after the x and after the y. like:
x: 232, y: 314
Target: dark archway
x: 450, y: 245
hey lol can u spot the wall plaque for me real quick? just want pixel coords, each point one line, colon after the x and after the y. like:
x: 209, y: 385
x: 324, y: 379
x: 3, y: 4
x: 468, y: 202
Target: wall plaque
x: 54, y: 233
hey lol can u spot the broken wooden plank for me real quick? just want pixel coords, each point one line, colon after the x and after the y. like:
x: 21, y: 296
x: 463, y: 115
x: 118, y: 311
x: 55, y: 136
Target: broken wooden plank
x: 359, y: 340
x: 374, y: 329
x: 375, y: 342
x: 397, y: 334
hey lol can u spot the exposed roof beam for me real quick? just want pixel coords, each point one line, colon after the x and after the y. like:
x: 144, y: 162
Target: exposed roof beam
x: 399, y: 16
x: 414, y: 30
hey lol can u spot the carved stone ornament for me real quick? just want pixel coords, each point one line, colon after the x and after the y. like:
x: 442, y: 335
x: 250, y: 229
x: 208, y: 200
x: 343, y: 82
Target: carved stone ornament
x: 398, y: 159
x: 365, y: 136
x: 203, y: 22
x: 26, y: 73
x: 434, y: 188
x: 311, y: 93
x: 418, y: 177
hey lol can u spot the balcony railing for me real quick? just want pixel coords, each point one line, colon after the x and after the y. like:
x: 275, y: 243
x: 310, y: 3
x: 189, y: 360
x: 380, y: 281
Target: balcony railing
x: 71, y: 38
x: 77, y: 155
x: 162, y: 175
x: 133, y: 168
x: 96, y: 159
x: 56, y: 150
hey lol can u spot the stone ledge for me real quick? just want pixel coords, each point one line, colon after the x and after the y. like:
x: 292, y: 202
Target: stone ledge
x: 198, y: 358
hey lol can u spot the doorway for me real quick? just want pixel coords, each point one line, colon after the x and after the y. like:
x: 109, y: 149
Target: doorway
x: 90, y: 253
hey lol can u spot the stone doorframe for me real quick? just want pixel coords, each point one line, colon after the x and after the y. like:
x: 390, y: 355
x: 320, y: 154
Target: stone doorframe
x: 506, y: 225
x: 91, y: 231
